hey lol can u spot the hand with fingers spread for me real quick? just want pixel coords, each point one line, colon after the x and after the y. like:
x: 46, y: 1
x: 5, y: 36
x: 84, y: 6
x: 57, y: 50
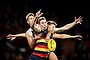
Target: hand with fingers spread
x: 38, y: 14
x: 78, y: 20
x: 78, y: 37
x: 11, y: 37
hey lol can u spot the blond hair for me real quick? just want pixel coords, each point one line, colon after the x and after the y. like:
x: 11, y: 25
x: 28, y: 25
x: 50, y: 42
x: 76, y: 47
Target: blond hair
x: 30, y: 14
x: 41, y: 18
x: 51, y: 22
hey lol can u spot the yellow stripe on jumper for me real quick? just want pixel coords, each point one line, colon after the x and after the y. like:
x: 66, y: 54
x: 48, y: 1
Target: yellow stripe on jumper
x: 41, y: 40
x: 42, y: 49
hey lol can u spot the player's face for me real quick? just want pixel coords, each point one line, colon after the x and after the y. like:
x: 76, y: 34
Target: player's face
x: 31, y: 20
x: 43, y: 24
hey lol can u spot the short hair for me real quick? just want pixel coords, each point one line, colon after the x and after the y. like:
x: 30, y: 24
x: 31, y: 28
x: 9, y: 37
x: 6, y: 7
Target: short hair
x: 52, y: 22
x: 30, y: 14
x: 41, y: 18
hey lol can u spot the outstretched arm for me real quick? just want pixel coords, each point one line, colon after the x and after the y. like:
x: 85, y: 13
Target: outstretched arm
x: 65, y: 36
x: 13, y: 36
x: 37, y: 15
x: 68, y: 26
x: 35, y: 25
x: 50, y: 30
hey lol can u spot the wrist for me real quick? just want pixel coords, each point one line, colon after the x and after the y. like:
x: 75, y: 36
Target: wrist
x: 75, y: 22
x: 74, y: 37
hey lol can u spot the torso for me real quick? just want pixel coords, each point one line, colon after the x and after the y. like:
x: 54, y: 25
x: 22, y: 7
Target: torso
x: 30, y: 32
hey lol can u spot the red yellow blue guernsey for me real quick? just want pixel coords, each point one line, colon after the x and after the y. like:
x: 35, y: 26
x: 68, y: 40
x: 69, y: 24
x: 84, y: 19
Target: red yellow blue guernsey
x: 41, y: 48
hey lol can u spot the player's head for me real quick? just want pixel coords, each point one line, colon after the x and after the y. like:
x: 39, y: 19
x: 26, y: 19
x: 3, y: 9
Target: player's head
x: 52, y: 23
x: 30, y: 14
x: 43, y: 23
x: 30, y: 19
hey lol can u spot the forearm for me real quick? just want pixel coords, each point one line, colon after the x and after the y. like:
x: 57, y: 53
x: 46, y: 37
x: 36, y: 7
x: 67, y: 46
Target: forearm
x: 20, y: 35
x: 48, y: 36
x: 66, y: 27
x: 50, y: 31
x: 32, y: 43
x: 63, y: 36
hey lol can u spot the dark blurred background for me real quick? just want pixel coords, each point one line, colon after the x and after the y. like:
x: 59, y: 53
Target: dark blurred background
x: 12, y: 21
